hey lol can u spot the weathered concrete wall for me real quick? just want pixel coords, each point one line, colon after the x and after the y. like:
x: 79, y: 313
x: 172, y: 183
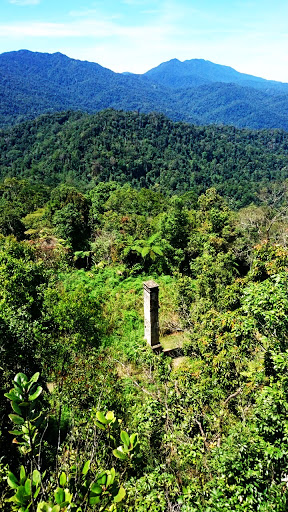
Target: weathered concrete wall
x: 151, y: 312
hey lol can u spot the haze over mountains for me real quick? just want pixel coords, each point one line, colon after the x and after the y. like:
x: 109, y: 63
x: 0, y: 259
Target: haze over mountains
x: 196, y: 91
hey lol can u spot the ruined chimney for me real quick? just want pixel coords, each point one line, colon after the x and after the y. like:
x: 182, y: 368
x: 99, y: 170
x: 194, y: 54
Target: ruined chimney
x: 151, y: 313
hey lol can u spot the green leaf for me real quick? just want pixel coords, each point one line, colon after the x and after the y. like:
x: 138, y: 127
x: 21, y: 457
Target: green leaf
x: 35, y: 377
x: 35, y: 394
x: 133, y: 440
x: 59, y: 495
x: 22, y: 474
x: 94, y: 500
x: 95, y: 488
x: 100, y: 416
x: 110, y: 477
x: 63, y: 479
x: 36, y: 477
x: 102, y: 478
x: 125, y: 438
x: 15, y: 432
x: 36, y: 492
x: 21, y: 379
x: 157, y: 250
x: 12, y: 481
x: 145, y: 251
x: 28, y: 487
x: 16, y: 407
x: 110, y: 416
x: 120, y: 496
x: 20, y: 495
x: 44, y: 507
x: 56, y: 508
x: 86, y: 467
x: 33, y: 380
x: 68, y: 496
x: 119, y: 453
x: 16, y: 419
x: 99, y: 425
x: 13, y: 395
x: 152, y: 238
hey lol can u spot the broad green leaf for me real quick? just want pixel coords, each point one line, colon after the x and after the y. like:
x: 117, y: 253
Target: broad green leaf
x: 36, y: 492
x: 125, y: 438
x: 86, y: 467
x: 100, y: 416
x: 102, y: 478
x: 33, y: 380
x: 94, y: 500
x: 44, y: 507
x: 35, y: 377
x: 63, y: 479
x: 99, y: 425
x: 28, y: 486
x: 110, y: 416
x: 110, y: 477
x: 36, y: 477
x: 35, y: 395
x: 20, y: 495
x: 119, y: 453
x: 137, y: 248
x: 18, y: 420
x: 12, y: 481
x: 15, y: 432
x: 13, y: 395
x: 95, y: 488
x: 68, y: 496
x: 16, y: 408
x: 22, y: 474
x: 133, y: 439
x: 120, y: 496
x: 56, y: 508
x: 21, y: 379
x: 59, y: 496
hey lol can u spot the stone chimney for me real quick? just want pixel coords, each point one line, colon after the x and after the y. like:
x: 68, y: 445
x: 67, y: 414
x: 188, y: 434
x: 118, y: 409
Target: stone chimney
x: 151, y: 313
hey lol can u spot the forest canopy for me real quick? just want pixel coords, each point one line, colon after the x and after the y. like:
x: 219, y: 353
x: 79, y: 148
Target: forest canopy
x: 145, y: 151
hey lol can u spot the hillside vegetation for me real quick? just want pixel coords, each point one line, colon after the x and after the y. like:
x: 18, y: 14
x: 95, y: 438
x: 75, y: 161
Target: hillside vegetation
x: 145, y: 151
x: 92, y: 419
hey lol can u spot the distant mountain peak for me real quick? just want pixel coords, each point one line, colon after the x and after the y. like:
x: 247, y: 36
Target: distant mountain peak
x: 196, y: 72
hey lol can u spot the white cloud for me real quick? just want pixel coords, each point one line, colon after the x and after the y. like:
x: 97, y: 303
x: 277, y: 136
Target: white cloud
x: 24, y: 2
x: 85, y: 28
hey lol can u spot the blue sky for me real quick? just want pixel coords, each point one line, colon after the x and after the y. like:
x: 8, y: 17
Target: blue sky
x: 136, y: 35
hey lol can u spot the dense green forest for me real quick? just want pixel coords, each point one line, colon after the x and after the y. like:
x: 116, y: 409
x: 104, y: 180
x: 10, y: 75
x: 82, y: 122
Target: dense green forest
x: 90, y: 418
x: 196, y: 91
x: 145, y: 151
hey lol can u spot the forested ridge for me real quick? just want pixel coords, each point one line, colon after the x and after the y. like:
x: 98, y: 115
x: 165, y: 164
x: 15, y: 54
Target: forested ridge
x: 145, y: 151
x: 91, y: 419
x: 196, y: 91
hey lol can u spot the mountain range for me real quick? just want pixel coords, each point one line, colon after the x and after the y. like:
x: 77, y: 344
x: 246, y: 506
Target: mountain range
x: 196, y: 91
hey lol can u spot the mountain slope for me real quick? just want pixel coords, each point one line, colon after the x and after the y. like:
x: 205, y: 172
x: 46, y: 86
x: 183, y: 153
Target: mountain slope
x: 195, y: 72
x: 231, y: 104
x: 33, y: 83
x: 145, y: 151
